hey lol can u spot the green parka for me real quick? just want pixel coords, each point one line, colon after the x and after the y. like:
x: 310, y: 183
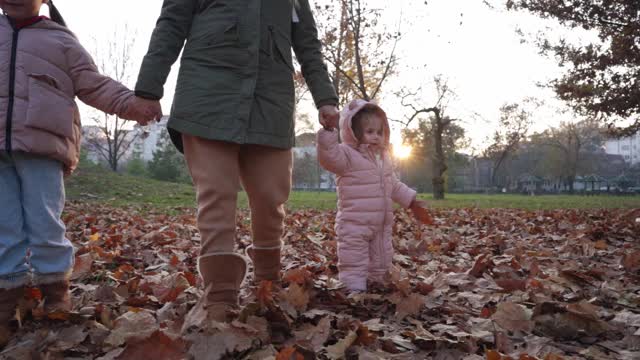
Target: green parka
x: 235, y: 81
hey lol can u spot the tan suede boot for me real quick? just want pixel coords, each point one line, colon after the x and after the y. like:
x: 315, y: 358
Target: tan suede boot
x: 266, y: 263
x: 8, y: 302
x: 56, y: 296
x: 225, y: 272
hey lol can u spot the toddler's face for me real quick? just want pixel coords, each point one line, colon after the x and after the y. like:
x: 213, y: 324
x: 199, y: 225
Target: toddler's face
x: 372, y: 131
x: 21, y: 9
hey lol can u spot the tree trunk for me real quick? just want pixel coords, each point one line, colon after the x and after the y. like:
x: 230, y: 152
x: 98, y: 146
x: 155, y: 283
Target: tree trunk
x: 439, y: 165
x: 571, y: 180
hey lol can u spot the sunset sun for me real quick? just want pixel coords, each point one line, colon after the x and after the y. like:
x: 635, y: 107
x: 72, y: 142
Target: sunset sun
x: 402, y: 151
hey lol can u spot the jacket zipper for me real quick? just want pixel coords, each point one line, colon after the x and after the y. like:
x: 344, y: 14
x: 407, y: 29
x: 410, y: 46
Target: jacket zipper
x: 271, y: 41
x: 380, y: 236
x: 384, y: 219
x: 12, y: 87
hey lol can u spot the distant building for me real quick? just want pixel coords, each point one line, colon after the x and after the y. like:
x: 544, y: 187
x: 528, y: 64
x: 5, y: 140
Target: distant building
x: 146, y: 139
x: 628, y: 148
x: 307, y: 172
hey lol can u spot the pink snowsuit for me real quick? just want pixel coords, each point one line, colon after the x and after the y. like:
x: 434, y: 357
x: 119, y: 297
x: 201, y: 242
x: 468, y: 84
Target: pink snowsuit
x: 366, y: 189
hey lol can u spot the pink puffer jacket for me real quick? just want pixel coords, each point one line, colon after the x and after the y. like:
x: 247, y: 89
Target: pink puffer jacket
x: 43, y: 68
x: 366, y: 192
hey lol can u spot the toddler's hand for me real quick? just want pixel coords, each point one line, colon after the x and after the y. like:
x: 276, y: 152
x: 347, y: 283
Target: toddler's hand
x: 419, y: 209
x: 328, y: 115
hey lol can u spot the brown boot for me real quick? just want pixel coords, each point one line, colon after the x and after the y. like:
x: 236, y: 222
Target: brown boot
x: 225, y: 272
x: 266, y: 264
x: 8, y: 302
x: 56, y: 296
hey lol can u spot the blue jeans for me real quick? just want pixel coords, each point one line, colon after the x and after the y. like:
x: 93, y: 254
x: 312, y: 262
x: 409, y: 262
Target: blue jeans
x: 31, y: 202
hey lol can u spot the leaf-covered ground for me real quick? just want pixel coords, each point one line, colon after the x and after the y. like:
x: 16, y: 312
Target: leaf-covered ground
x: 477, y: 284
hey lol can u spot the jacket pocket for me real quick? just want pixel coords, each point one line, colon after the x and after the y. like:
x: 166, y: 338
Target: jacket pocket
x: 215, y: 29
x: 49, y: 109
x: 283, y: 46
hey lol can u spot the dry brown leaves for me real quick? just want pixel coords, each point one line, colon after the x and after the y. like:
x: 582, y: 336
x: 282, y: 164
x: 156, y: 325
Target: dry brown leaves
x: 474, y: 284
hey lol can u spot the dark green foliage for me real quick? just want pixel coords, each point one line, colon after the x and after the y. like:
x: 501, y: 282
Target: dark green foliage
x: 603, y: 77
x: 167, y: 163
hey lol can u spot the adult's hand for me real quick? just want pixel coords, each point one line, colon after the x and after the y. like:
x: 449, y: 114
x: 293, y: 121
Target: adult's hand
x: 328, y: 115
x: 145, y: 111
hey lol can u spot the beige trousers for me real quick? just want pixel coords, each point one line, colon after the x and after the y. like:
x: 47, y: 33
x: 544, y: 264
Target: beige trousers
x: 217, y: 169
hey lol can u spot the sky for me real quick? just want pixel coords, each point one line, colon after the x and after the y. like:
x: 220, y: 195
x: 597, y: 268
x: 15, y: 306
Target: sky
x: 474, y: 47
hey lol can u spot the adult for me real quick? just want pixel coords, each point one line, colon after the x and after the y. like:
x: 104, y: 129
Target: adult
x: 233, y: 118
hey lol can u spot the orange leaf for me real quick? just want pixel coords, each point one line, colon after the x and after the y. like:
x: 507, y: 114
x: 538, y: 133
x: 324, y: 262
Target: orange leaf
x: 512, y: 284
x: 191, y: 278
x: 534, y: 283
x: 552, y: 356
x: 174, y: 261
x: 265, y: 294
x: 527, y: 357
x: 601, y: 245
x: 289, y: 353
x: 515, y: 264
x: 493, y: 355
x: 487, y: 312
x: 58, y: 315
x: 170, y: 234
x: 138, y: 301
x: 156, y: 346
x: 482, y: 264
x: 299, y: 276
x: 631, y: 261
x: 422, y: 215
x: 364, y: 336
x: 173, y: 294
x: 424, y: 288
x: 31, y: 293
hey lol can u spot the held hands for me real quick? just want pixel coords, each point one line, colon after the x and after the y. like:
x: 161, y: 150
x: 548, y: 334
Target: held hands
x: 328, y: 116
x: 143, y: 110
x: 419, y: 210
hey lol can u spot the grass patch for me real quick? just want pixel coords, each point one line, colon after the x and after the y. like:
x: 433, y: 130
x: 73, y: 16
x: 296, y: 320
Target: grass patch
x: 538, y: 202
x: 100, y: 185
x: 95, y: 184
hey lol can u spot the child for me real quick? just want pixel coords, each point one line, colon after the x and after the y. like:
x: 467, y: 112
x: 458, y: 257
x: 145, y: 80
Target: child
x: 232, y: 116
x: 44, y: 68
x: 367, y: 188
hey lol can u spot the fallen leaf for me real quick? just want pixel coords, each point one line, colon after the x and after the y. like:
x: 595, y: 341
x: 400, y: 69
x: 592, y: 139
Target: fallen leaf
x: 314, y: 336
x: 410, y: 305
x: 601, y: 245
x: 289, y: 353
x: 512, y: 317
x: 156, y: 346
x: 337, y: 351
x: 512, y: 284
x: 132, y: 325
x: 423, y: 215
x: 206, y: 346
x: 296, y: 296
x: 198, y: 313
x: 82, y: 266
x: 69, y: 337
x: 483, y: 263
x: 631, y: 261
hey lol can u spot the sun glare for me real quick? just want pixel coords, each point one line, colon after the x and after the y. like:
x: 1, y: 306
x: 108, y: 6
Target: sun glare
x: 401, y: 151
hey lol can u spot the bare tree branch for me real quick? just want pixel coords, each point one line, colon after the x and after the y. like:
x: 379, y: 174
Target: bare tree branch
x: 114, y: 61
